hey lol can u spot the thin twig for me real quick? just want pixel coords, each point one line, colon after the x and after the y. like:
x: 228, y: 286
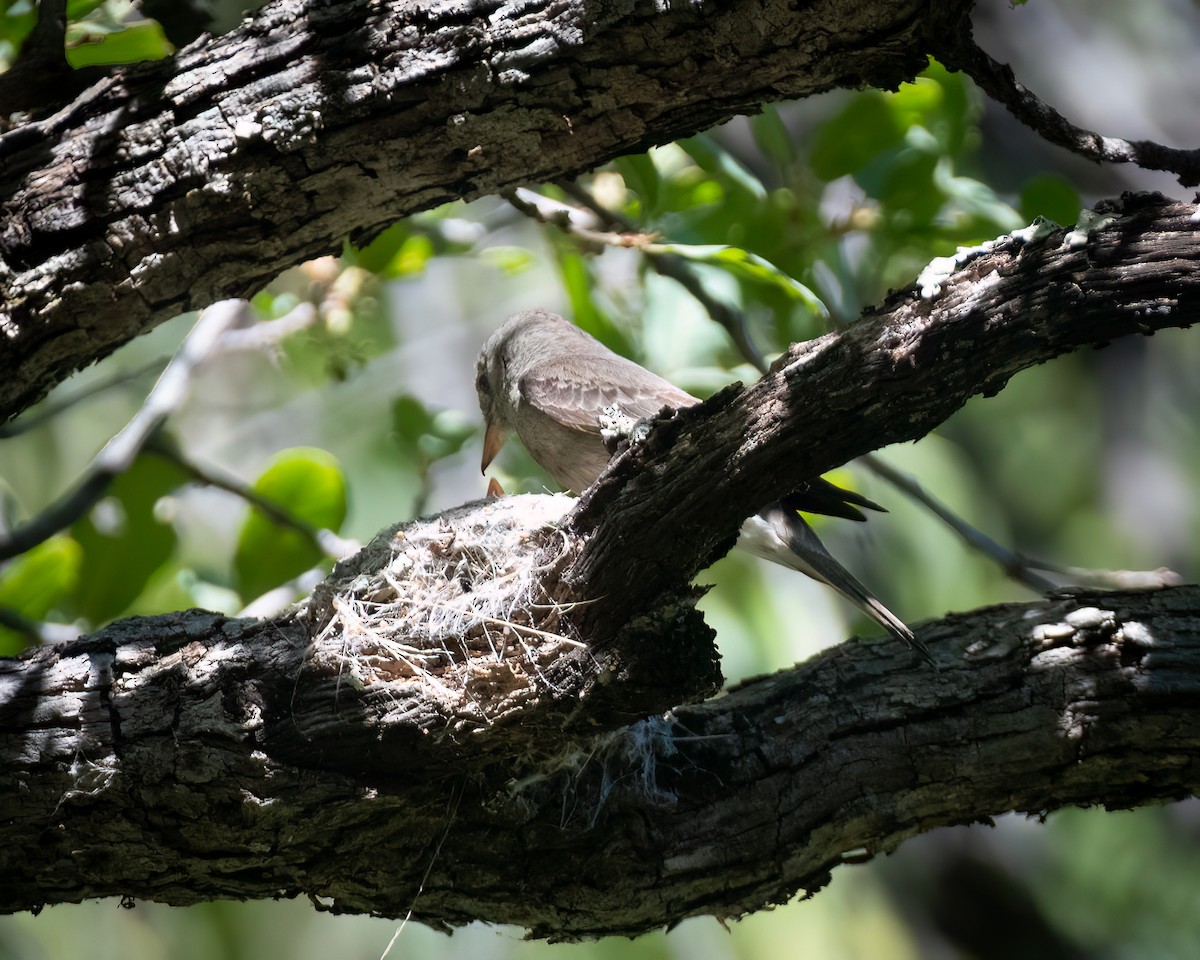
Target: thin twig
x: 322, y: 538
x: 1012, y: 563
x: 38, y: 632
x: 119, y: 453
x: 960, y: 52
x: 1017, y: 565
x: 268, y: 333
x: 555, y: 214
x: 676, y: 268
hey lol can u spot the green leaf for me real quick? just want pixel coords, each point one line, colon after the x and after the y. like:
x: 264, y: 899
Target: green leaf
x: 123, y: 541
x: 1050, y: 196
x: 845, y: 143
x: 588, y: 315
x: 915, y: 103
x: 410, y: 259
x: 16, y: 20
x: 746, y: 266
x: 425, y: 436
x: 713, y: 158
x: 381, y: 252
x: 773, y: 138
x: 36, y: 582
x: 309, y: 484
x: 509, y: 259
x: 91, y: 44
x: 641, y: 176
x: 78, y: 9
x: 410, y: 420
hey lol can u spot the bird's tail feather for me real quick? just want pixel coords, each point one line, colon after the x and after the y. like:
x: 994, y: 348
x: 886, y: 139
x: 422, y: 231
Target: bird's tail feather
x: 806, y: 553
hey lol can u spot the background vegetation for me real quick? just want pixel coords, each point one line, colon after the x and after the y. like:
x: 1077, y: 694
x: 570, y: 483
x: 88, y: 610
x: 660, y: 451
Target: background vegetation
x: 797, y: 218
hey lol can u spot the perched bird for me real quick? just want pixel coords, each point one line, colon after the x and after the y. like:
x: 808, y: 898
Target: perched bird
x: 541, y: 377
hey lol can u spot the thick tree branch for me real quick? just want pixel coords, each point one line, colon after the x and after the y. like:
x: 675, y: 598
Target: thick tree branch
x: 181, y: 759
x: 174, y: 184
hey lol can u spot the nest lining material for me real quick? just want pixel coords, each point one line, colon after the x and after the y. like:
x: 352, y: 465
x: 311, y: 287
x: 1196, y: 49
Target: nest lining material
x: 449, y: 610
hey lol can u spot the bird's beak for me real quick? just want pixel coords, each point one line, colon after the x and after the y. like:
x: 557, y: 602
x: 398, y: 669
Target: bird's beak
x: 493, y: 440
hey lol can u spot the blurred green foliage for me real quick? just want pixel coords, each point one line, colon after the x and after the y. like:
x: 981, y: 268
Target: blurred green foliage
x: 796, y: 218
x: 37, y: 582
x: 123, y: 541
x: 112, y: 31
x: 309, y: 485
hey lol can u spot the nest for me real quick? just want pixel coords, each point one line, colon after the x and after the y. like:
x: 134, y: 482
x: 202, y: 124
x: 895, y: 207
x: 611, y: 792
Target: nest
x: 449, y: 611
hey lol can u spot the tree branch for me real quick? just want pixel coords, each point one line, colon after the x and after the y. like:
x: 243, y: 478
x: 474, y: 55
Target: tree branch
x: 892, y: 376
x: 960, y: 52
x: 119, y: 453
x: 173, y: 184
x: 455, y: 710
x: 190, y: 757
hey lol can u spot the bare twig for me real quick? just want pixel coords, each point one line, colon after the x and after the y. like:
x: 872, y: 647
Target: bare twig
x: 675, y: 267
x: 266, y: 334
x: 1015, y: 565
x: 960, y: 52
x: 119, y: 453
x: 325, y: 540
x: 555, y: 214
x: 38, y: 632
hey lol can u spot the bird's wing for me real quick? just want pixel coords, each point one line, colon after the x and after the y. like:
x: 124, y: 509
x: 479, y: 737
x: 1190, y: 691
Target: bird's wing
x: 575, y: 390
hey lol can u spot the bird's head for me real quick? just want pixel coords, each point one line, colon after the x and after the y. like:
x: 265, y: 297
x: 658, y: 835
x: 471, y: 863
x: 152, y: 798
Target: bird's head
x: 524, y: 341
x: 489, y: 378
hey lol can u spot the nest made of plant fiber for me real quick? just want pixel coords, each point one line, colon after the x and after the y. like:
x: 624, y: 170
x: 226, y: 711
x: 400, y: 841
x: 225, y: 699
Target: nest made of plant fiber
x: 449, y: 608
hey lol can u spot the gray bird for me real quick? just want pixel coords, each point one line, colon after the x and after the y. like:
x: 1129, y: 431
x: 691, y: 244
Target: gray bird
x: 541, y: 377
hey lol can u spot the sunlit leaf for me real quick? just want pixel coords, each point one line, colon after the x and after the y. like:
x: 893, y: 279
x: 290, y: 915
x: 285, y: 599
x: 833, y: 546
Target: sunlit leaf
x: 747, y: 266
x: 509, y: 259
x: 123, y: 541
x: 710, y: 156
x: 642, y: 177
x: 307, y: 483
x: 382, y: 251
x: 36, y: 582
x: 142, y: 40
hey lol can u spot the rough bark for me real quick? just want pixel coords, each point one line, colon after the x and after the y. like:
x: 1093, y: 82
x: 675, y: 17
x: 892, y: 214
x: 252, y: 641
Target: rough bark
x: 895, y: 374
x: 172, y: 185
x: 143, y: 763
x: 347, y: 750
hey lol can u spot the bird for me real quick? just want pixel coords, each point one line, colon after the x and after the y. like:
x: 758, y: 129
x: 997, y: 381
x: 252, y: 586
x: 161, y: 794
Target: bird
x: 554, y: 385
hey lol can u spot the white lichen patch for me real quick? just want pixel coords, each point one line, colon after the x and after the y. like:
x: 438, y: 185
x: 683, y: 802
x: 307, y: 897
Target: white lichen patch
x: 940, y: 269
x: 1088, y: 223
x: 449, y: 609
